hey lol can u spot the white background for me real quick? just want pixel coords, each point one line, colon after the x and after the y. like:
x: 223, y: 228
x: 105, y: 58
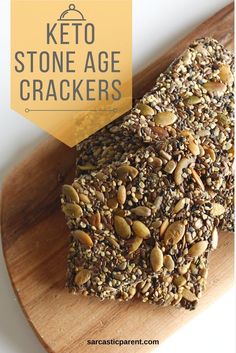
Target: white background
x: 157, y: 25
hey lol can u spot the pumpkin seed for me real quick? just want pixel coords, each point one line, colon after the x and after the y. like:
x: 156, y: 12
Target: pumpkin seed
x: 156, y: 259
x: 192, y: 100
x: 218, y: 88
x: 145, y: 109
x: 140, y: 230
x: 169, y: 263
x: 70, y: 193
x: 180, y: 281
x: 188, y: 295
x: 127, y: 170
x: 183, y: 164
x: 135, y: 245
x: 141, y: 211
x: 198, y: 249
x: 121, y: 194
x: 72, y: 210
x: 122, y: 228
x: 165, y: 118
x: 82, y: 277
x: 217, y: 209
x: 174, y: 233
x: 83, y: 237
x: 226, y: 75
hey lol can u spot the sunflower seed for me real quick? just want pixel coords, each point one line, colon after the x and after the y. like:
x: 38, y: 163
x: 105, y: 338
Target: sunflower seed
x: 121, y: 194
x: 140, y: 230
x: 179, y: 206
x: 135, y: 245
x: 156, y: 259
x: 169, y: 263
x: 113, y: 242
x: 214, y: 239
x: 141, y: 211
x: 164, y: 226
x: 121, y: 227
x: 174, y: 233
x: 198, y: 249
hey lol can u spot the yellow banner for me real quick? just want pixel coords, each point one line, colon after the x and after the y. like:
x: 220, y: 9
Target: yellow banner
x: 71, y: 64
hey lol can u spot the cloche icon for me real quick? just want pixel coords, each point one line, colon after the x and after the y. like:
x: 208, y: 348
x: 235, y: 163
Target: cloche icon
x: 71, y: 14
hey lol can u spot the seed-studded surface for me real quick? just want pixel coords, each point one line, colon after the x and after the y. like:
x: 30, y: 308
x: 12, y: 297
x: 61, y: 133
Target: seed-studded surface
x: 152, y: 187
x: 195, y: 94
x: 153, y: 241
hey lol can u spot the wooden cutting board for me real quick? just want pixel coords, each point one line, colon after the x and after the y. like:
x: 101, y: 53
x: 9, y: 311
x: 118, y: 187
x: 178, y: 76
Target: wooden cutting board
x: 34, y: 238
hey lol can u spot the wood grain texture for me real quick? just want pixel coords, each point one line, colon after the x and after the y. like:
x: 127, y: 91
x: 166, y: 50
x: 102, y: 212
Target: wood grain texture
x: 34, y: 238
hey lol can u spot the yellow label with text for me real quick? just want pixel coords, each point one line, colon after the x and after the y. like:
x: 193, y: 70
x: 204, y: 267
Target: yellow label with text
x: 71, y: 64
